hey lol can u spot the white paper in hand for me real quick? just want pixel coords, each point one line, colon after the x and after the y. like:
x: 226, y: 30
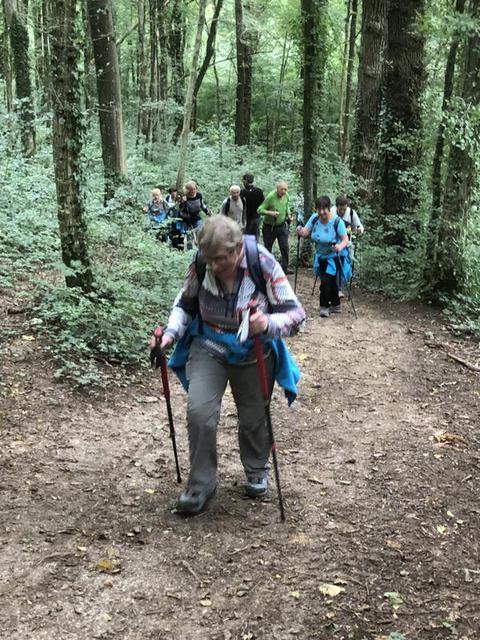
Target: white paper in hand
x: 242, y: 333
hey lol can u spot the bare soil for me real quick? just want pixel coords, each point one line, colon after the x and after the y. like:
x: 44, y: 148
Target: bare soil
x: 380, y: 468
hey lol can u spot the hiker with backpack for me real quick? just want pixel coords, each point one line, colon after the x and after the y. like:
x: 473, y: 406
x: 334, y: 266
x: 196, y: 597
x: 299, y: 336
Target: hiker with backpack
x: 329, y: 234
x: 254, y: 197
x: 235, y: 206
x: 233, y: 284
x: 275, y: 211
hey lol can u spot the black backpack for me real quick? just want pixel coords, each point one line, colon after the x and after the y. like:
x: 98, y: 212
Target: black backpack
x: 253, y: 261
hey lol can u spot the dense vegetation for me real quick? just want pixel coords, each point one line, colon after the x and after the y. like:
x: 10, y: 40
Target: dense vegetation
x: 281, y: 92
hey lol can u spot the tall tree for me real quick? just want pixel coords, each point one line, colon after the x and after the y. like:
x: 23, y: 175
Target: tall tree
x: 176, y: 50
x: 109, y: 93
x: 182, y: 161
x: 142, y: 120
x: 440, y: 144
x: 348, y: 82
x: 314, y: 62
x: 369, y: 96
x: 209, y: 53
x: 343, y: 76
x: 461, y: 172
x: 16, y: 19
x: 68, y: 130
x: 404, y: 84
x: 243, y: 100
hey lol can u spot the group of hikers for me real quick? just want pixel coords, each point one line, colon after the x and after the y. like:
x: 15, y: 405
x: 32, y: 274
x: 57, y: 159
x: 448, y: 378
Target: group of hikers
x: 230, y: 318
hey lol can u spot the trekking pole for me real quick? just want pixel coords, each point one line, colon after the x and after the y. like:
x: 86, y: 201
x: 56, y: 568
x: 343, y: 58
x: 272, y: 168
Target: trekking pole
x: 314, y: 284
x: 349, y: 288
x: 157, y: 358
x: 296, y: 265
x: 266, y: 396
x: 354, y: 255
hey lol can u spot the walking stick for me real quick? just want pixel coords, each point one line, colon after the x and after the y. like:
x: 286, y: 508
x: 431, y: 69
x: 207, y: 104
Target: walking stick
x: 266, y: 396
x: 349, y: 287
x: 296, y: 265
x: 354, y: 256
x: 157, y: 358
x: 314, y: 284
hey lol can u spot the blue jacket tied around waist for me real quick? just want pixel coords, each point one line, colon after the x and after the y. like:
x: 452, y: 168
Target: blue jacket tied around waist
x: 286, y: 371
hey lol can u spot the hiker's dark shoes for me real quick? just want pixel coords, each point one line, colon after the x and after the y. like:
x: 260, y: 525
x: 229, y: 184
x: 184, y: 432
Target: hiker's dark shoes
x: 324, y: 312
x: 289, y: 272
x: 336, y: 309
x: 256, y: 487
x: 193, y: 501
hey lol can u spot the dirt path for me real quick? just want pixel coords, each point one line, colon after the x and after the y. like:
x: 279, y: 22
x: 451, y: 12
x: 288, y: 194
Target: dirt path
x: 374, y: 505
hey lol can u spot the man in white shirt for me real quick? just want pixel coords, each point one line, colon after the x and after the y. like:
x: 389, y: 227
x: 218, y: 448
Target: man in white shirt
x: 235, y: 207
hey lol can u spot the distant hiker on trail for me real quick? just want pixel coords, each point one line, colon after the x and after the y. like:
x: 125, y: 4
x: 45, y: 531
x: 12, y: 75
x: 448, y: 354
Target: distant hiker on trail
x: 275, y: 210
x: 235, y: 206
x: 329, y: 234
x: 171, y: 199
x: 350, y: 217
x: 254, y: 197
x: 157, y: 208
x: 192, y: 205
x: 230, y: 273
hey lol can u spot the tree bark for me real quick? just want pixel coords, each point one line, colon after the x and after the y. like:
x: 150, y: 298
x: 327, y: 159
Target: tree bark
x: 314, y: 63
x: 68, y: 128
x: 6, y: 65
x: 109, y: 93
x: 209, y: 52
x: 16, y: 20
x: 142, y: 120
x: 461, y: 174
x: 403, y: 139
x: 176, y: 50
x: 243, y: 101
x: 343, y: 78
x: 439, y: 147
x: 182, y: 161
x: 348, y: 84
x: 369, y: 98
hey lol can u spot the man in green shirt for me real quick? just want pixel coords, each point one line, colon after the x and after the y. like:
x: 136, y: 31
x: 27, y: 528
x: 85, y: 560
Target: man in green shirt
x: 275, y: 210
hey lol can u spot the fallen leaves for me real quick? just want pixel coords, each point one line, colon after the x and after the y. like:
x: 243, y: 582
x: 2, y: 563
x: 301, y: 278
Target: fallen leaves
x: 107, y: 565
x: 444, y: 438
x: 330, y: 590
x: 394, y: 598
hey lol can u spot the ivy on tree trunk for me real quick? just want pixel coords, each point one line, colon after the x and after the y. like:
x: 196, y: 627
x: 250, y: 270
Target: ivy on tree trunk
x: 68, y: 129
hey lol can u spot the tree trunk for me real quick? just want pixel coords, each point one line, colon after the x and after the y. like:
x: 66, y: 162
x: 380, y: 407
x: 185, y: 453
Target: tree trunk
x: 68, y: 128
x: 209, y: 52
x: 17, y: 26
x: 141, y: 74
x: 176, y: 50
x: 243, y: 101
x: 6, y: 66
x: 343, y: 78
x: 348, y: 87
x: 403, y: 139
x: 461, y: 174
x: 439, y: 147
x: 280, y: 87
x: 369, y: 97
x: 182, y: 161
x: 109, y: 93
x: 314, y: 63
x: 42, y: 52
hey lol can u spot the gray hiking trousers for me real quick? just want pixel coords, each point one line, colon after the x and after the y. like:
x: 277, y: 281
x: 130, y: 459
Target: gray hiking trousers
x: 208, y: 378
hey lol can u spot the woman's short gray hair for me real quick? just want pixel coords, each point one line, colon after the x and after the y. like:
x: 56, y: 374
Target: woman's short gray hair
x: 219, y: 233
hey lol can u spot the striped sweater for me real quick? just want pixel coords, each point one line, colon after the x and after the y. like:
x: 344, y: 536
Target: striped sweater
x: 222, y: 311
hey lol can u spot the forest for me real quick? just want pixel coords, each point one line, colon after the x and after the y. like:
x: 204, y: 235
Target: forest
x: 103, y: 101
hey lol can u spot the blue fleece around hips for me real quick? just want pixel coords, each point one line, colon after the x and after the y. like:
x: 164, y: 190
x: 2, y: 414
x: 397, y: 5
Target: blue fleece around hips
x: 287, y: 373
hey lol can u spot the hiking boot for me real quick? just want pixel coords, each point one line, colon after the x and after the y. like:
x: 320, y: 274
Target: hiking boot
x: 193, y: 501
x: 256, y: 487
x: 336, y: 309
x: 341, y: 294
x: 324, y: 312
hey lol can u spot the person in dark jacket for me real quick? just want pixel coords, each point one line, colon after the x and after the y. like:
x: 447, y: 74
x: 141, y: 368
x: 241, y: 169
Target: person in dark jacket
x: 254, y: 197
